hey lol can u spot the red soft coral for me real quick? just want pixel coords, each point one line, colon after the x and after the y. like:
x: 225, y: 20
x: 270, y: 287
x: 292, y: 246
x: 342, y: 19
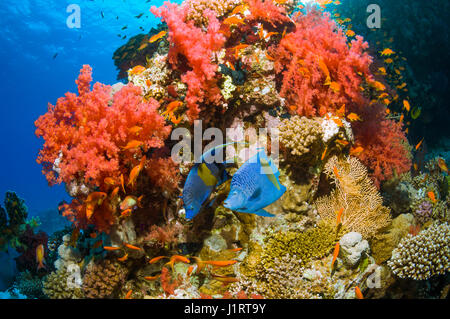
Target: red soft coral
x: 300, y: 59
x: 267, y: 11
x: 385, y: 145
x: 85, y: 136
x: 198, y: 47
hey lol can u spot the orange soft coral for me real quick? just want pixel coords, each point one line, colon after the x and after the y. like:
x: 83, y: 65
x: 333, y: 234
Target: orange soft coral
x: 198, y: 48
x: 386, y: 149
x: 85, y: 137
x: 320, y: 70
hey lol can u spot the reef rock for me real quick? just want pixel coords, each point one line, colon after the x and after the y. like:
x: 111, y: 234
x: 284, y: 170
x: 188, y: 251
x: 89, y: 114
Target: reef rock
x: 353, y: 248
x: 67, y: 254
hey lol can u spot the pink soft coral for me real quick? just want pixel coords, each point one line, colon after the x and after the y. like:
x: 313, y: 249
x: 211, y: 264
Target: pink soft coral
x: 300, y: 57
x: 86, y: 135
x: 386, y: 148
x: 198, y: 47
x: 267, y: 11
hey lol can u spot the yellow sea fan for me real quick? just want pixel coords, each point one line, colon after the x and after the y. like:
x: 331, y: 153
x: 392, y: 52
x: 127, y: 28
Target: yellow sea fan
x: 355, y: 192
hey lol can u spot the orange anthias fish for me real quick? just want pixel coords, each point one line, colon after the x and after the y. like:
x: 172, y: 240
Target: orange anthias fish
x: 239, y: 9
x: 122, y: 183
x: 324, y: 153
x: 109, y: 181
x: 156, y: 259
x: 269, y: 57
x: 235, y: 249
x: 135, y: 171
x: 335, y: 254
x: 335, y: 87
x: 341, y: 111
x: 190, y: 270
x: 135, y: 130
x: 338, y: 216
x: 152, y: 277
x: 350, y: 33
x: 137, y: 70
x: 132, y: 145
x: 382, y: 70
x: 418, y: 144
x: 358, y: 293
x: 353, y: 117
x: 124, y: 258
x: 233, y: 21
x: 342, y: 142
x: 128, y: 295
x: 114, y: 192
x: 126, y: 212
x: 132, y: 247
x: 387, y: 52
x: 338, y: 122
x: 219, y: 263
x: 406, y: 105
x: 177, y: 258
x: 158, y: 36
x: 40, y: 253
x: 325, y: 70
x: 378, y: 85
x: 389, y: 61
x: 432, y: 196
x: 335, y: 171
x: 442, y: 165
x: 356, y: 151
x: 96, y: 197
x: 110, y: 248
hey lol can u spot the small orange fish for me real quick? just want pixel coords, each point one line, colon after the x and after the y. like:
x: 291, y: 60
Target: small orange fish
x: 388, y: 61
x: 432, y: 196
x: 382, y: 70
x: 148, y: 83
x: 325, y: 70
x: 383, y: 95
x: 137, y: 70
x: 342, y: 142
x: 156, y: 259
x: 324, y: 152
x: 239, y: 9
x: 135, y: 172
x: 378, y: 85
x: 338, y: 217
x: 152, y: 277
x: 132, y: 247
x: 122, y: 183
x: 356, y: 151
x: 406, y: 105
x: 350, y: 33
x: 341, y: 111
x: 358, y: 293
x: 338, y: 122
x: 388, y: 111
x: 135, y: 130
x: 353, y: 117
x: 40, y: 253
x: 401, y: 86
x: 269, y: 34
x: 190, y: 270
x: 335, y: 254
x: 96, y: 198
x: 235, y: 249
x: 387, y: 52
x: 176, y: 120
x: 442, y: 165
x: 124, y: 258
x: 132, y: 145
x: 109, y: 181
x: 335, y: 87
x: 335, y: 171
x: 418, y: 144
x: 110, y: 248
x: 173, y: 106
x: 126, y: 213
x: 233, y: 21
x: 269, y: 57
x: 115, y: 192
x: 401, y: 118
x: 143, y: 46
x: 128, y: 295
x: 177, y: 258
x: 158, y: 36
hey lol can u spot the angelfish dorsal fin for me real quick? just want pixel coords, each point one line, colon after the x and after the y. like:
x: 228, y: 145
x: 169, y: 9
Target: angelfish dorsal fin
x: 268, y: 171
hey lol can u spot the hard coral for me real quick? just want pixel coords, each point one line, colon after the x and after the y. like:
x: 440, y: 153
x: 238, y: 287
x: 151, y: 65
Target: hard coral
x: 198, y: 48
x: 56, y: 286
x: 103, y: 279
x: 306, y: 56
x: 423, y: 256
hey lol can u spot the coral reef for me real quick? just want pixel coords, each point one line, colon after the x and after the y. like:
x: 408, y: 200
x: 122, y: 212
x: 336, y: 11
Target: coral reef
x: 424, y: 255
x: 356, y: 194
x: 103, y: 279
x: 57, y: 286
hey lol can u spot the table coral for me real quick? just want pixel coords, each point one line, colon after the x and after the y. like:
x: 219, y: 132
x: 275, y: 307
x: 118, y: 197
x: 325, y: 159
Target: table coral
x: 357, y: 195
x: 424, y: 255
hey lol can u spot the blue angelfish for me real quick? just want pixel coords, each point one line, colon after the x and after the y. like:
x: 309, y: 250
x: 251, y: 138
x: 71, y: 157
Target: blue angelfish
x: 254, y: 186
x: 202, y: 179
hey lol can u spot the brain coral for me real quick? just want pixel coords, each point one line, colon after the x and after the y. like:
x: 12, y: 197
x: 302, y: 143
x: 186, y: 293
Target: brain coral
x: 424, y: 255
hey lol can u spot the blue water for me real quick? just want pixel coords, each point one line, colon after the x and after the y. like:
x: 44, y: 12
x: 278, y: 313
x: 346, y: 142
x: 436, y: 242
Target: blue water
x: 33, y: 32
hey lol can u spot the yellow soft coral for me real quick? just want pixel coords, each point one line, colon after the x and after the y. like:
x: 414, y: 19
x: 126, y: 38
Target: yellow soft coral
x: 356, y: 194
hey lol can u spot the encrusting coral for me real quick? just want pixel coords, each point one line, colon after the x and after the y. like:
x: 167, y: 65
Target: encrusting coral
x: 424, y: 255
x: 355, y: 193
